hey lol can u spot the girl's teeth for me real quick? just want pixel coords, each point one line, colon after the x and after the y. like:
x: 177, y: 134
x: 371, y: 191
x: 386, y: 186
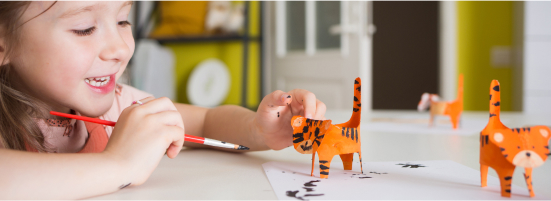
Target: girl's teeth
x: 97, y: 82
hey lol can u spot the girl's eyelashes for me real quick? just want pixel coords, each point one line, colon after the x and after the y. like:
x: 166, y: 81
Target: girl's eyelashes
x: 85, y: 32
x: 91, y: 30
x: 125, y: 23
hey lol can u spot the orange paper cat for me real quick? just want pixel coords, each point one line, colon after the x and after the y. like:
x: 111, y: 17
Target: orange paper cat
x: 502, y: 148
x: 311, y: 136
x: 437, y: 107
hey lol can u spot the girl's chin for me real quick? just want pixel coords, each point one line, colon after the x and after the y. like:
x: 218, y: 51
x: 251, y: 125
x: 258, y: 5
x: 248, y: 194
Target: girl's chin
x: 97, y: 107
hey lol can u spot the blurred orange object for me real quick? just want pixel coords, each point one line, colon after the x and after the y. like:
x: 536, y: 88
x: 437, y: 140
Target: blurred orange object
x: 437, y: 107
x: 180, y: 18
x: 502, y: 148
x: 311, y: 136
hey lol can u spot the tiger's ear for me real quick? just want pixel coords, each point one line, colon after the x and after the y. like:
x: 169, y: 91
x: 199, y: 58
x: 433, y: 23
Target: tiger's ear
x: 544, y: 131
x: 297, y: 121
x: 326, y: 124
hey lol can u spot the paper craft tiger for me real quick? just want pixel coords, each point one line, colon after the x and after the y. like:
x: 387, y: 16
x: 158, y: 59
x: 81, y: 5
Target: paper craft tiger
x: 437, y: 107
x: 311, y: 136
x: 502, y: 148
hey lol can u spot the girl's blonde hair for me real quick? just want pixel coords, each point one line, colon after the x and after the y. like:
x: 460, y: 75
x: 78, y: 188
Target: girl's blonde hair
x: 18, y: 127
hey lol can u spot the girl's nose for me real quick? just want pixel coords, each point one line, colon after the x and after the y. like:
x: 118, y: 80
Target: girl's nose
x: 115, y: 47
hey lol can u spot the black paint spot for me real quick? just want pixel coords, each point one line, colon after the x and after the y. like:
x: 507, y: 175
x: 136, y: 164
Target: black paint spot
x: 486, y: 139
x: 508, y: 178
x: 355, y: 99
x: 492, y: 115
x: 364, y: 177
x: 505, y: 155
x: 308, y: 195
x: 324, y: 161
x: 310, y: 183
x: 490, y: 96
x: 359, y: 88
x: 277, y: 114
x: 293, y: 194
x: 502, y: 149
x: 355, y: 109
x: 496, y: 104
x: 496, y: 88
x: 518, y: 130
x: 508, y: 190
x: 324, y: 173
x: 356, y: 82
x: 528, y: 129
x: 323, y: 167
x: 410, y: 165
x: 308, y: 189
x: 124, y: 185
x: 289, y: 96
x: 547, y: 147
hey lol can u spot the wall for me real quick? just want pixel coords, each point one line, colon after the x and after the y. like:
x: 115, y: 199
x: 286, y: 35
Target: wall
x: 188, y: 55
x: 482, y: 26
x: 537, y: 57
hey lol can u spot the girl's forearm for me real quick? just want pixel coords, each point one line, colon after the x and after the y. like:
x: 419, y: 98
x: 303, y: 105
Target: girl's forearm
x: 233, y: 124
x: 26, y: 175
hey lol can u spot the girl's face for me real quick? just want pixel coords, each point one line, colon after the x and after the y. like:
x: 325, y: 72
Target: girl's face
x: 71, y: 55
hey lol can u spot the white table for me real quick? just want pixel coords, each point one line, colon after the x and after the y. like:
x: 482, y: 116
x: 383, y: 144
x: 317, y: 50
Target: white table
x: 209, y: 174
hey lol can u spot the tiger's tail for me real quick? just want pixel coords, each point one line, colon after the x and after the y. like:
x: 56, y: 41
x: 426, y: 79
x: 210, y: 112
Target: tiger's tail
x: 495, y: 104
x: 354, y: 121
x: 460, y: 88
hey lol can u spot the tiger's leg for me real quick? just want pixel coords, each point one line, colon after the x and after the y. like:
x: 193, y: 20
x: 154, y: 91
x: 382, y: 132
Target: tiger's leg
x: 347, y: 160
x: 483, y: 175
x: 313, y: 162
x: 505, y: 179
x: 325, y: 163
x: 528, y: 178
x: 361, y: 166
x: 455, y: 121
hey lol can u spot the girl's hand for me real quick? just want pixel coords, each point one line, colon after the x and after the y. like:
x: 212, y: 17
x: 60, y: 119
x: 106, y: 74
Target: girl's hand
x: 142, y: 136
x: 273, y: 117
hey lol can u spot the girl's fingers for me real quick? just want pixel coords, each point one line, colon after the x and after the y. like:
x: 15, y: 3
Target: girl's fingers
x: 307, y: 100
x: 275, y: 99
x: 320, y: 110
x: 169, y: 118
x: 176, y: 135
x: 156, y: 105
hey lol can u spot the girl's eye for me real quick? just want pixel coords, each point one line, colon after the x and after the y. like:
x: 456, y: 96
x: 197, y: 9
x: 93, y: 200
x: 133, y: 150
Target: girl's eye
x: 84, y: 32
x: 124, y: 23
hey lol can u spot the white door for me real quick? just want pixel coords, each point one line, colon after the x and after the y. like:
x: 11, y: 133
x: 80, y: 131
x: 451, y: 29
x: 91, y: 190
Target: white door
x: 321, y: 47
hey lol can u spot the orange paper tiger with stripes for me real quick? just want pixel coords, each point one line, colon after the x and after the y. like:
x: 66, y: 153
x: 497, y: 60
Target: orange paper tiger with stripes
x: 503, y: 148
x: 320, y: 136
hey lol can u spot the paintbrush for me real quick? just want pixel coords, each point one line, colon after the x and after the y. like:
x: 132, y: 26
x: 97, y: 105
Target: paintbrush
x: 189, y: 138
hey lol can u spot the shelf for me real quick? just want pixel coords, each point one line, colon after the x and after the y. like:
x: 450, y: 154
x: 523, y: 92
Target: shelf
x: 211, y: 38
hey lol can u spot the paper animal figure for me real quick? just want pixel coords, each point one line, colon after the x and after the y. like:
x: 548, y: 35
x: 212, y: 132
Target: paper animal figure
x: 502, y: 148
x: 437, y: 107
x: 311, y: 136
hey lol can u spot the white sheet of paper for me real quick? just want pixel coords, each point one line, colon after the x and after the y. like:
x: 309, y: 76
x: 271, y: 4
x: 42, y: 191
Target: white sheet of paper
x: 443, y: 180
x: 419, y: 124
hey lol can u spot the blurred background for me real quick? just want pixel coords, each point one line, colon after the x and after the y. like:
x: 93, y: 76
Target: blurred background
x: 212, y: 53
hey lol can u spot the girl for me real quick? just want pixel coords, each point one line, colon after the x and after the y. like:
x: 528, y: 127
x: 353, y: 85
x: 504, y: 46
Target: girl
x: 66, y: 57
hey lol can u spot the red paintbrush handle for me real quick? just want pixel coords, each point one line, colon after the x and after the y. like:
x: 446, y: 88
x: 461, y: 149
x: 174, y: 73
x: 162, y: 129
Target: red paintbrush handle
x: 94, y: 120
x: 190, y: 138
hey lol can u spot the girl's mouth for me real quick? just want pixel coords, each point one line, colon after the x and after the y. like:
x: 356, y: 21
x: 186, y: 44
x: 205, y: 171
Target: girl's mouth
x: 98, y: 81
x: 102, y: 85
